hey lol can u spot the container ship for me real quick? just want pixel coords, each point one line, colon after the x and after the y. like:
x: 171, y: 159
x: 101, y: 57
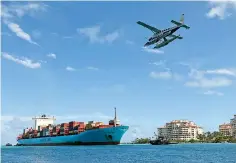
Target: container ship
x: 46, y: 133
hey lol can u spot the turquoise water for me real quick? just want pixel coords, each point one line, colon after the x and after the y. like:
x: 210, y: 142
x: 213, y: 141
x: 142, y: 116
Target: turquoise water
x: 180, y: 153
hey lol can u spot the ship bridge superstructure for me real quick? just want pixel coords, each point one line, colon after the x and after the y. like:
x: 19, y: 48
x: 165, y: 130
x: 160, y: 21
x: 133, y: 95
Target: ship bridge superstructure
x: 43, y: 120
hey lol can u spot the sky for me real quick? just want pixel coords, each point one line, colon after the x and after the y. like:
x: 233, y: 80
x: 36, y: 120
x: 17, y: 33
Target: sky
x: 79, y: 60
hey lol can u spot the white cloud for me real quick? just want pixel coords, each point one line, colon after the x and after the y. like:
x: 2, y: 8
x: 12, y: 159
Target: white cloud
x: 68, y: 68
x: 160, y: 75
x: 200, y: 80
x: 23, y: 61
x: 165, y: 75
x: 51, y: 55
x: 230, y: 72
x: 93, y: 68
x: 111, y: 37
x: 210, y: 92
x: 14, y: 10
x: 219, y: 9
x: 156, y: 51
x: 210, y: 83
x: 19, y: 10
x: 94, y: 34
x: 20, y: 33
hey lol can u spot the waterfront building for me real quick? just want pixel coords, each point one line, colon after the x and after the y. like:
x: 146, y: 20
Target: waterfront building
x: 180, y: 130
x: 226, y: 129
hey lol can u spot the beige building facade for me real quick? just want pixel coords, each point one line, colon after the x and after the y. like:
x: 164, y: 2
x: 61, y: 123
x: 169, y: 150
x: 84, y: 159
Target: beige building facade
x: 226, y: 129
x: 180, y: 130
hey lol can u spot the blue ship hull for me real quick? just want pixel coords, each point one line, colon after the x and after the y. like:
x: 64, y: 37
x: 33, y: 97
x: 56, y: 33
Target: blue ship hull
x: 104, y: 136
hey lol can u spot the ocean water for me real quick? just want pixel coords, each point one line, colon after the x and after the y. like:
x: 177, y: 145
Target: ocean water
x: 179, y: 153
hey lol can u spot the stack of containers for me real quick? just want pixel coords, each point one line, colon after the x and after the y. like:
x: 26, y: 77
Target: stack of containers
x: 72, y: 124
x: 31, y: 133
x: 81, y: 127
x: 50, y: 128
x: 105, y: 126
x: 40, y: 128
x: 88, y: 126
x: 35, y: 133
x: 64, y: 128
x: 44, y: 131
x: 19, y: 137
x: 102, y: 126
x: 27, y: 134
x: 76, y: 129
x: 97, y: 124
x: 25, y: 131
x: 47, y: 132
x: 56, y: 130
x: 93, y: 124
x: 90, y: 122
x: 41, y: 133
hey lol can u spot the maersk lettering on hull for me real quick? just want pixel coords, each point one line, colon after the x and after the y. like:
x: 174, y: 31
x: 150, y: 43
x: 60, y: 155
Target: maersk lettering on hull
x: 105, y: 136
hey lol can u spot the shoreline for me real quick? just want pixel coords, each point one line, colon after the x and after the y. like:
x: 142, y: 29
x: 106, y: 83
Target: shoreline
x: 181, y: 143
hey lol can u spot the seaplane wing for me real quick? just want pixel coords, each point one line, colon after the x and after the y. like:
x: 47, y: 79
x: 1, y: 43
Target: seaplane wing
x: 179, y: 37
x: 153, y: 29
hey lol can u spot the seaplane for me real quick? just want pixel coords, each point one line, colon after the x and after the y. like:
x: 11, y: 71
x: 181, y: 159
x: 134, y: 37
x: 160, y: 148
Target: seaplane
x: 162, y: 34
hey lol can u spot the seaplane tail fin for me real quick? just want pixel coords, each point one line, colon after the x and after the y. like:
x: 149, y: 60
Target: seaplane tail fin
x: 182, y: 19
x: 181, y: 22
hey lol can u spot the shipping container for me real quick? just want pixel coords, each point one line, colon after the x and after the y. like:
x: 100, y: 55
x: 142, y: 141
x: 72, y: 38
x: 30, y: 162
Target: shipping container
x: 98, y: 124
x: 64, y: 124
x: 73, y: 123
x: 76, y: 128
x: 71, y: 132
x: 83, y: 126
x: 90, y: 122
x: 71, y: 128
x: 105, y: 126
